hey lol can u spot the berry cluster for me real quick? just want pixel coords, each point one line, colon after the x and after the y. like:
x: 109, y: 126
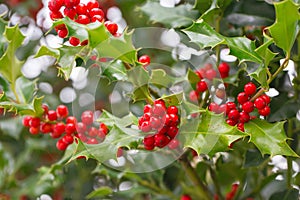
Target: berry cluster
x: 238, y: 115
x: 59, y: 124
x: 163, y: 121
x: 80, y: 13
x: 206, y: 75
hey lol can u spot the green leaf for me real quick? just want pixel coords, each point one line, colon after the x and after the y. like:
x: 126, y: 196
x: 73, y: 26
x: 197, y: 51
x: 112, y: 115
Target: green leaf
x: 25, y: 89
x: 260, y: 75
x: 204, y: 35
x: 269, y: 138
x: 114, y: 71
x: 10, y: 65
x: 286, y: 27
x: 12, y: 127
x: 253, y: 158
x: 47, y: 51
x: 120, y: 48
x: 179, y: 16
x: 100, y: 192
x: 116, y: 138
x: 173, y: 99
x: 192, y: 77
x: 209, y: 134
x: 111, y: 120
x: 2, y: 39
x: 161, y: 79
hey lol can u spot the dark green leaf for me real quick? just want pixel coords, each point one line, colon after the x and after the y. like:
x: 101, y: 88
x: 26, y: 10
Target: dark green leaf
x: 286, y: 24
x: 253, y: 158
x: 269, y: 138
x: 182, y: 15
x: 114, y: 71
x: 260, y: 75
x: 111, y: 120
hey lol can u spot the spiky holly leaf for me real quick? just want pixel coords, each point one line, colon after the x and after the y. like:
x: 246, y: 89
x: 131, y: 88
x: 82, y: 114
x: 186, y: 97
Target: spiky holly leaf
x: 178, y: 16
x: 116, y: 138
x: 287, y: 24
x: 10, y: 65
x: 269, y: 138
x: 114, y: 71
x: 120, y: 48
x: 205, y: 36
x: 34, y: 108
x: 173, y: 99
x: 209, y: 134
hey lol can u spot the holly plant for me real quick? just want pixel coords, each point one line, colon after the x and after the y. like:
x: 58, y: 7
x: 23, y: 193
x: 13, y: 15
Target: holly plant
x: 150, y: 99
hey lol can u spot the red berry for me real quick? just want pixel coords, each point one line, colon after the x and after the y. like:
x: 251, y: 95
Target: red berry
x: 223, y: 108
x: 83, y: 19
x: 230, y: 106
x: 70, y: 12
x: 201, y: 73
x: 146, y: 126
x: 172, y: 131
x: 242, y: 97
x: 97, y: 18
x: 71, y: 120
x: 194, y: 95
x: 62, y: 33
x: 250, y: 88
x: 147, y: 108
x: 59, y: 128
x: 211, y: 74
x: 149, y: 142
x: 260, y: 103
x: 68, y: 139
x: 52, y: 115
x: 61, y: 145
x: 161, y: 141
x: 248, y: 106
x: 145, y: 60
x: 92, y: 4
x: 173, y: 144
x: 158, y: 110
x: 96, y: 11
x: 155, y: 123
x: 35, y: 122
x: 266, y: 98
x: 26, y: 121
x: 81, y: 127
x: 71, y: 3
x: 160, y: 101
x: 213, y: 107
x: 103, y: 128
x: 231, y: 122
x: 92, y: 141
x: 234, y: 115
x: 45, y: 108
x: 56, y: 15
x: 93, y: 132
x: 74, y: 41
x: 34, y: 130
x: 174, y: 120
x: 244, y: 117
x: 111, y: 27
x: 62, y: 111
x: 87, y: 117
x: 119, y: 152
x: 240, y: 126
x: 220, y: 93
x: 81, y: 9
x: 186, y: 197
x: 172, y: 110
x: 265, y: 111
x: 55, y: 5
x: 224, y: 68
x: 224, y: 75
x: 70, y: 128
x: 84, y: 42
x: 46, y: 127
x: 201, y: 86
